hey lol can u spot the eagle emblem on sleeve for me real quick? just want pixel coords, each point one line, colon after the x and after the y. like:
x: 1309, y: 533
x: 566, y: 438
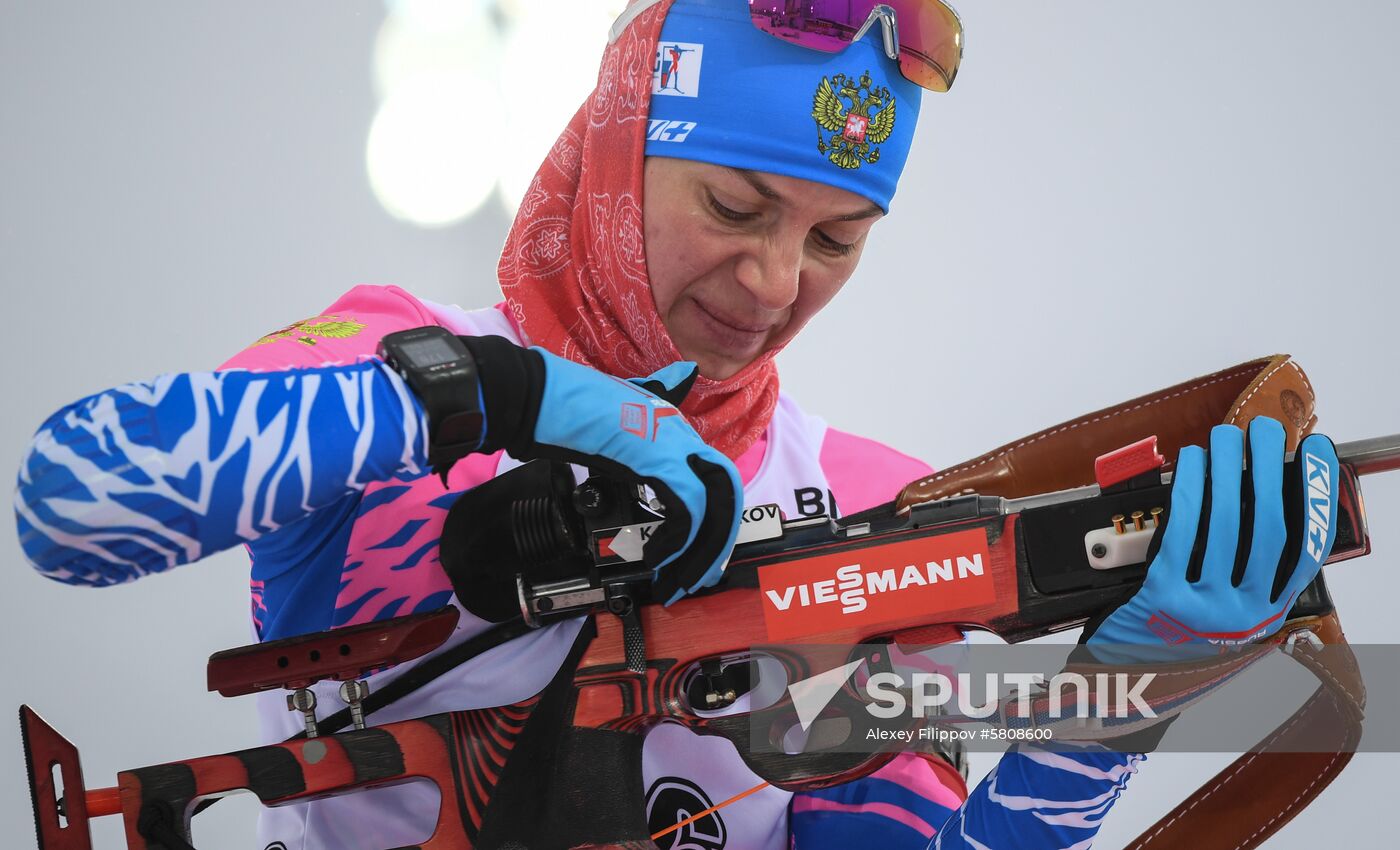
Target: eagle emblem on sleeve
x: 853, y: 116
x: 307, y: 331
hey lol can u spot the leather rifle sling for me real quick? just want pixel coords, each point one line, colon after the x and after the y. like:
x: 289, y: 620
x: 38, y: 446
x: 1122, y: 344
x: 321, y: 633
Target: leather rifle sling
x: 1247, y: 802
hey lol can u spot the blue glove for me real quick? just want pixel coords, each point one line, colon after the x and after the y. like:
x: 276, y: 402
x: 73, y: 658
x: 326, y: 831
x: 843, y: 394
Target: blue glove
x: 1236, y: 550
x: 539, y: 405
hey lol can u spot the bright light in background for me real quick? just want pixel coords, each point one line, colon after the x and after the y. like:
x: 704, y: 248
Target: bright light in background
x: 441, y: 36
x: 473, y: 94
x: 551, y: 58
x: 429, y: 164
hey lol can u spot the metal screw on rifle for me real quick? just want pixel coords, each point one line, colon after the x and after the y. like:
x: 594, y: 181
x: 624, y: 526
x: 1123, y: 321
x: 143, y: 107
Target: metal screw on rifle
x: 354, y: 692
x: 1137, y: 521
x: 588, y: 500
x: 1118, y: 527
x: 1156, y: 514
x: 714, y: 699
x: 304, y: 700
x: 1099, y: 550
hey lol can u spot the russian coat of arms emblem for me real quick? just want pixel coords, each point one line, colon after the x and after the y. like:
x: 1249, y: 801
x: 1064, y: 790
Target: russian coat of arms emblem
x: 853, y: 116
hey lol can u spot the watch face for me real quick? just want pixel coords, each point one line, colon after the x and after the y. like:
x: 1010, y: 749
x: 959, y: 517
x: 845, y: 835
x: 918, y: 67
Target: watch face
x: 428, y: 351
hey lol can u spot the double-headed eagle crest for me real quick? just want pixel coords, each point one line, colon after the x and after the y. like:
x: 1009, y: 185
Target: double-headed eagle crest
x: 307, y: 331
x: 855, y: 130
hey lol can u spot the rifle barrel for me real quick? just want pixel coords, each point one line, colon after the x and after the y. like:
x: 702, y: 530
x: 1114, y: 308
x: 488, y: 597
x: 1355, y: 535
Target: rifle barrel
x: 1377, y: 454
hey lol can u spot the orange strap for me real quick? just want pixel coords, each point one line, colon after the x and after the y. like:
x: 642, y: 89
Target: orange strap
x: 693, y: 818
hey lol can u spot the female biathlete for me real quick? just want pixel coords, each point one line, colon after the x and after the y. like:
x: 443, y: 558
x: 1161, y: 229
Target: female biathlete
x: 712, y: 194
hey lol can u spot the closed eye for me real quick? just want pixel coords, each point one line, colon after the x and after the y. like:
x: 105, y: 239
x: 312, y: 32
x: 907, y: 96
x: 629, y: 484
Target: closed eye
x: 839, y: 248
x: 730, y: 214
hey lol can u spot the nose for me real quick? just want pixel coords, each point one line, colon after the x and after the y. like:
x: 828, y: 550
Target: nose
x: 772, y: 271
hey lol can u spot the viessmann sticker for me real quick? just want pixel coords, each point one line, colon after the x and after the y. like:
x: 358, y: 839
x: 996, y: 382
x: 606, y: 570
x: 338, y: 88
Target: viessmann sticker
x: 882, y: 584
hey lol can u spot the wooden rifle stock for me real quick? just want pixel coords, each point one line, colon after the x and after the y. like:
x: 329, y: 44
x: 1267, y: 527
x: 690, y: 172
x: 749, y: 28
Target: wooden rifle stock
x: 1033, y: 580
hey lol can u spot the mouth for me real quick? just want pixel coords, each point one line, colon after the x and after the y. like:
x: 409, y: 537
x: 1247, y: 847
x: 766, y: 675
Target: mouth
x: 729, y: 333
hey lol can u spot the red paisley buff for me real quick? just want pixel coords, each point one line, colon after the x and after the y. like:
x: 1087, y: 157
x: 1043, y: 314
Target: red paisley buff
x: 574, y: 267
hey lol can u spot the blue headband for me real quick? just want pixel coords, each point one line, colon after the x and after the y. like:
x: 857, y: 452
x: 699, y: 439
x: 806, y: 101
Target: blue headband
x: 726, y: 93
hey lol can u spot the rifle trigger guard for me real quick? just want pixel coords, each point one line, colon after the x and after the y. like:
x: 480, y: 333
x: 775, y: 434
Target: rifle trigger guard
x: 717, y: 687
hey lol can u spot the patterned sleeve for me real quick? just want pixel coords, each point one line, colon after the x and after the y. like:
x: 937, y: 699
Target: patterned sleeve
x: 147, y: 476
x: 1040, y: 798
x: 898, y: 806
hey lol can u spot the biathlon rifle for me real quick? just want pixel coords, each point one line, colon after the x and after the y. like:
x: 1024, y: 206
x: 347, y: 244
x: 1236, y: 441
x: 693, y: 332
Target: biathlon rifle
x: 805, y: 592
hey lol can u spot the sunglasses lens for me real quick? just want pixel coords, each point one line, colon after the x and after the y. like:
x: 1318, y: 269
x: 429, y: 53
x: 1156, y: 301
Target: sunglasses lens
x: 930, y: 34
x: 930, y: 42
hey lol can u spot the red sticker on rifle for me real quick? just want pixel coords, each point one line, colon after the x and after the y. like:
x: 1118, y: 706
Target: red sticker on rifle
x: 894, y: 583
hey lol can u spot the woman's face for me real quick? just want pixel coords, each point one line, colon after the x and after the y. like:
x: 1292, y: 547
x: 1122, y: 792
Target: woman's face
x: 740, y: 260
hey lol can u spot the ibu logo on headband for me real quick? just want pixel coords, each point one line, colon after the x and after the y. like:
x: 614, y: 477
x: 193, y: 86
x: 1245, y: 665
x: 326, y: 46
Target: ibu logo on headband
x: 856, y: 115
x: 677, y: 68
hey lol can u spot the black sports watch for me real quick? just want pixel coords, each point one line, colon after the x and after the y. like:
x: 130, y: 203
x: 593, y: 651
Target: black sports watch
x: 443, y: 375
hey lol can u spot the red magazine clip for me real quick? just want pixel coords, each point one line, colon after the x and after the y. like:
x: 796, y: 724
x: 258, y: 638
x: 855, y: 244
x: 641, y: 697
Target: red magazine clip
x: 1128, y: 462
